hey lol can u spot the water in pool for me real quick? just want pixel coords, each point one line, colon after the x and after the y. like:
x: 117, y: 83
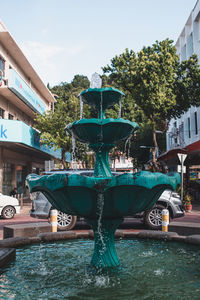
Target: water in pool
x: 149, y: 269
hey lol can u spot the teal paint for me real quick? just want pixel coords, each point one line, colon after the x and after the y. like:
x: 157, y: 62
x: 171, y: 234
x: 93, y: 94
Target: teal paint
x: 122, y: 195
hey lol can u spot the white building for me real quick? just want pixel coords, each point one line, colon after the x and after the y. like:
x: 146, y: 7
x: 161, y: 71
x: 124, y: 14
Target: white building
x: 22, y: 94
x: 183, y: 134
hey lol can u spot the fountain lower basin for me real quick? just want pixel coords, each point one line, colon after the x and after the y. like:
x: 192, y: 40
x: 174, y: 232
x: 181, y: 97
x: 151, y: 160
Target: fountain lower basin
x: 103, y: 202
x: 149, y: 270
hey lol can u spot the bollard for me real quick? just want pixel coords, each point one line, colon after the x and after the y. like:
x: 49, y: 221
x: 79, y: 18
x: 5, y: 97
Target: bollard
x: 165, y: 220
x: 53, y: 220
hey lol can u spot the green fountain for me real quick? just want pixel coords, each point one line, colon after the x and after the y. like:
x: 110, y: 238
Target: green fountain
x: 103, y: 199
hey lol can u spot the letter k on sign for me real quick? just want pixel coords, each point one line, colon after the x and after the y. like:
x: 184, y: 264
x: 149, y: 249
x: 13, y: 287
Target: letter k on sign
x: 3, y: 132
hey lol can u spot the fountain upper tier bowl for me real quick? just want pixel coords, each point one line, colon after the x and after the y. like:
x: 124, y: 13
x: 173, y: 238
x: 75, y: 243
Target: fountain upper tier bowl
x: 101, y: 98
x: 107, y: 131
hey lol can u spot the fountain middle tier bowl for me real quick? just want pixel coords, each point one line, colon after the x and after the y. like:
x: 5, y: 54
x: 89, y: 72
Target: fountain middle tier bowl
x: 121, y: 195
x: 107, y: 131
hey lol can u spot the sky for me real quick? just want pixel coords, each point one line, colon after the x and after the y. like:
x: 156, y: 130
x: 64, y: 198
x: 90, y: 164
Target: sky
x: 62, y: 38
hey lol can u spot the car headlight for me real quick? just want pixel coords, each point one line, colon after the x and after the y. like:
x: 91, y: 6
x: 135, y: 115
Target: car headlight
x: 175, y: 195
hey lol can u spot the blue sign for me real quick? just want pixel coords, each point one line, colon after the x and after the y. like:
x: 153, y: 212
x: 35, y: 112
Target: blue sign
x: 18, y: 132
x: 18, y: 86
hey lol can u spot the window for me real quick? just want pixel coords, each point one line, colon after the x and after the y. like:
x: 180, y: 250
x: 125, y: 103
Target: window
x: 181, y: 134
x: 1, y: 64
x: 175, y: 132
x: 10, y: 117
x: 196, y: 122
x: 183, y: 53
x: 190, y: 49
x: 189, y: 133
x: 2, y: 112
x: 2, y: 67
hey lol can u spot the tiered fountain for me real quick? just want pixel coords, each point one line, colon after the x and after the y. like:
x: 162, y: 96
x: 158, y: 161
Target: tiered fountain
x: 103, y: 200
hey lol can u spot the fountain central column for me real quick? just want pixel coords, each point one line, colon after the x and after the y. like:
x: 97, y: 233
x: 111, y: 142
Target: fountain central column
x: 105, y: 254
x: 102, y: 168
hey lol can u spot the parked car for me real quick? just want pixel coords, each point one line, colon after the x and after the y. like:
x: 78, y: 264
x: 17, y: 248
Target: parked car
x: 9, y: 206
x: 170, y: 200
x: 152, y: 218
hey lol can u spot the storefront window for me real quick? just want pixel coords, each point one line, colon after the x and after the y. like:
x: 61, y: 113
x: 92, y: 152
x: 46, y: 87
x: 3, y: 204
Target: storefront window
x: 21, y: 173
x: 7, y: 178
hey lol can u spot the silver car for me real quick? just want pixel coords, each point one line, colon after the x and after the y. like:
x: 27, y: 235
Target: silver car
x: 152, y: 218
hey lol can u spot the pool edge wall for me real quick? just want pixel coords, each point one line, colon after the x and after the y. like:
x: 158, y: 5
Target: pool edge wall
x: 9, y: 245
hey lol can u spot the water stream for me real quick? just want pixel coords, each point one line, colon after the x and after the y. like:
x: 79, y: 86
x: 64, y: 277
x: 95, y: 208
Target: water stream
x: 81, y: 106
x: 74, y: 163
x: 127, y: 146
x: 100, y: 205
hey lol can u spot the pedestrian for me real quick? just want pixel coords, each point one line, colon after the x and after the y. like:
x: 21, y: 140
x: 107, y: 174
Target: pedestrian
x: 13, y: 193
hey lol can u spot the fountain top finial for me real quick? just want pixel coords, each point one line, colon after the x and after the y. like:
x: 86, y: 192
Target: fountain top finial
x: 96, y: 81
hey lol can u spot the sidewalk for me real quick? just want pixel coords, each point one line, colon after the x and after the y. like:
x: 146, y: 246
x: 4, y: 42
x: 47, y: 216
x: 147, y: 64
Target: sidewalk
x: 186, y: 225
x: 25, y: 210
x: 189, y: 224
x: 22, y: 218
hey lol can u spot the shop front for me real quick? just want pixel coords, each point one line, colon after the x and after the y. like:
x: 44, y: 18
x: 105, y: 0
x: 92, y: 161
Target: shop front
x: 21, y: 153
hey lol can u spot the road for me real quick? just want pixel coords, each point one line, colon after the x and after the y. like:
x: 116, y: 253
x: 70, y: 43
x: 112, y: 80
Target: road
x: 130, y: 223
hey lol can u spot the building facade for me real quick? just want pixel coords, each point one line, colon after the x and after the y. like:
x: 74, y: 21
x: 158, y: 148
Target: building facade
x: 22, y: 94
x: 183, y: 134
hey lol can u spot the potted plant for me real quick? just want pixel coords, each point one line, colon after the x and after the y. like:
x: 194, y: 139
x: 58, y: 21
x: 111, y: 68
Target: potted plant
x: 187, y: 202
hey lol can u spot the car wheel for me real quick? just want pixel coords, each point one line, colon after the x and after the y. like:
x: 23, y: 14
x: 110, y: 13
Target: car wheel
x: 8, y: 212
x: 153, y: 217
x: 65, y: 221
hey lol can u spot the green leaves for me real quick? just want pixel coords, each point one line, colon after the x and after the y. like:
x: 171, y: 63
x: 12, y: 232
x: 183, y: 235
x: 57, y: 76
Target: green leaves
x: 67, y: 109
x: 157, y: 82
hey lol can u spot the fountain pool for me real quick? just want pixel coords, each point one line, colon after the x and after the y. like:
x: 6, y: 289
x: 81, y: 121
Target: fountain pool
x: 149, y: 270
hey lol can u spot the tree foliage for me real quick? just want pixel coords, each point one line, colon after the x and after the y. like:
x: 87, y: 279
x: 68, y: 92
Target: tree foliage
x: 67, y: 109
x: 157, y: 82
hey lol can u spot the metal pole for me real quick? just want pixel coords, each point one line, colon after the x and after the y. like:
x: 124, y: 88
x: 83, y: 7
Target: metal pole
x: 182, y: 178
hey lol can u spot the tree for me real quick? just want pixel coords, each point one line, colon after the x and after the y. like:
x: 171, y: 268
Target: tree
x: 67, y: 109
x: 161, y: 85
x: 52, y: 127
x: 142, y: 146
